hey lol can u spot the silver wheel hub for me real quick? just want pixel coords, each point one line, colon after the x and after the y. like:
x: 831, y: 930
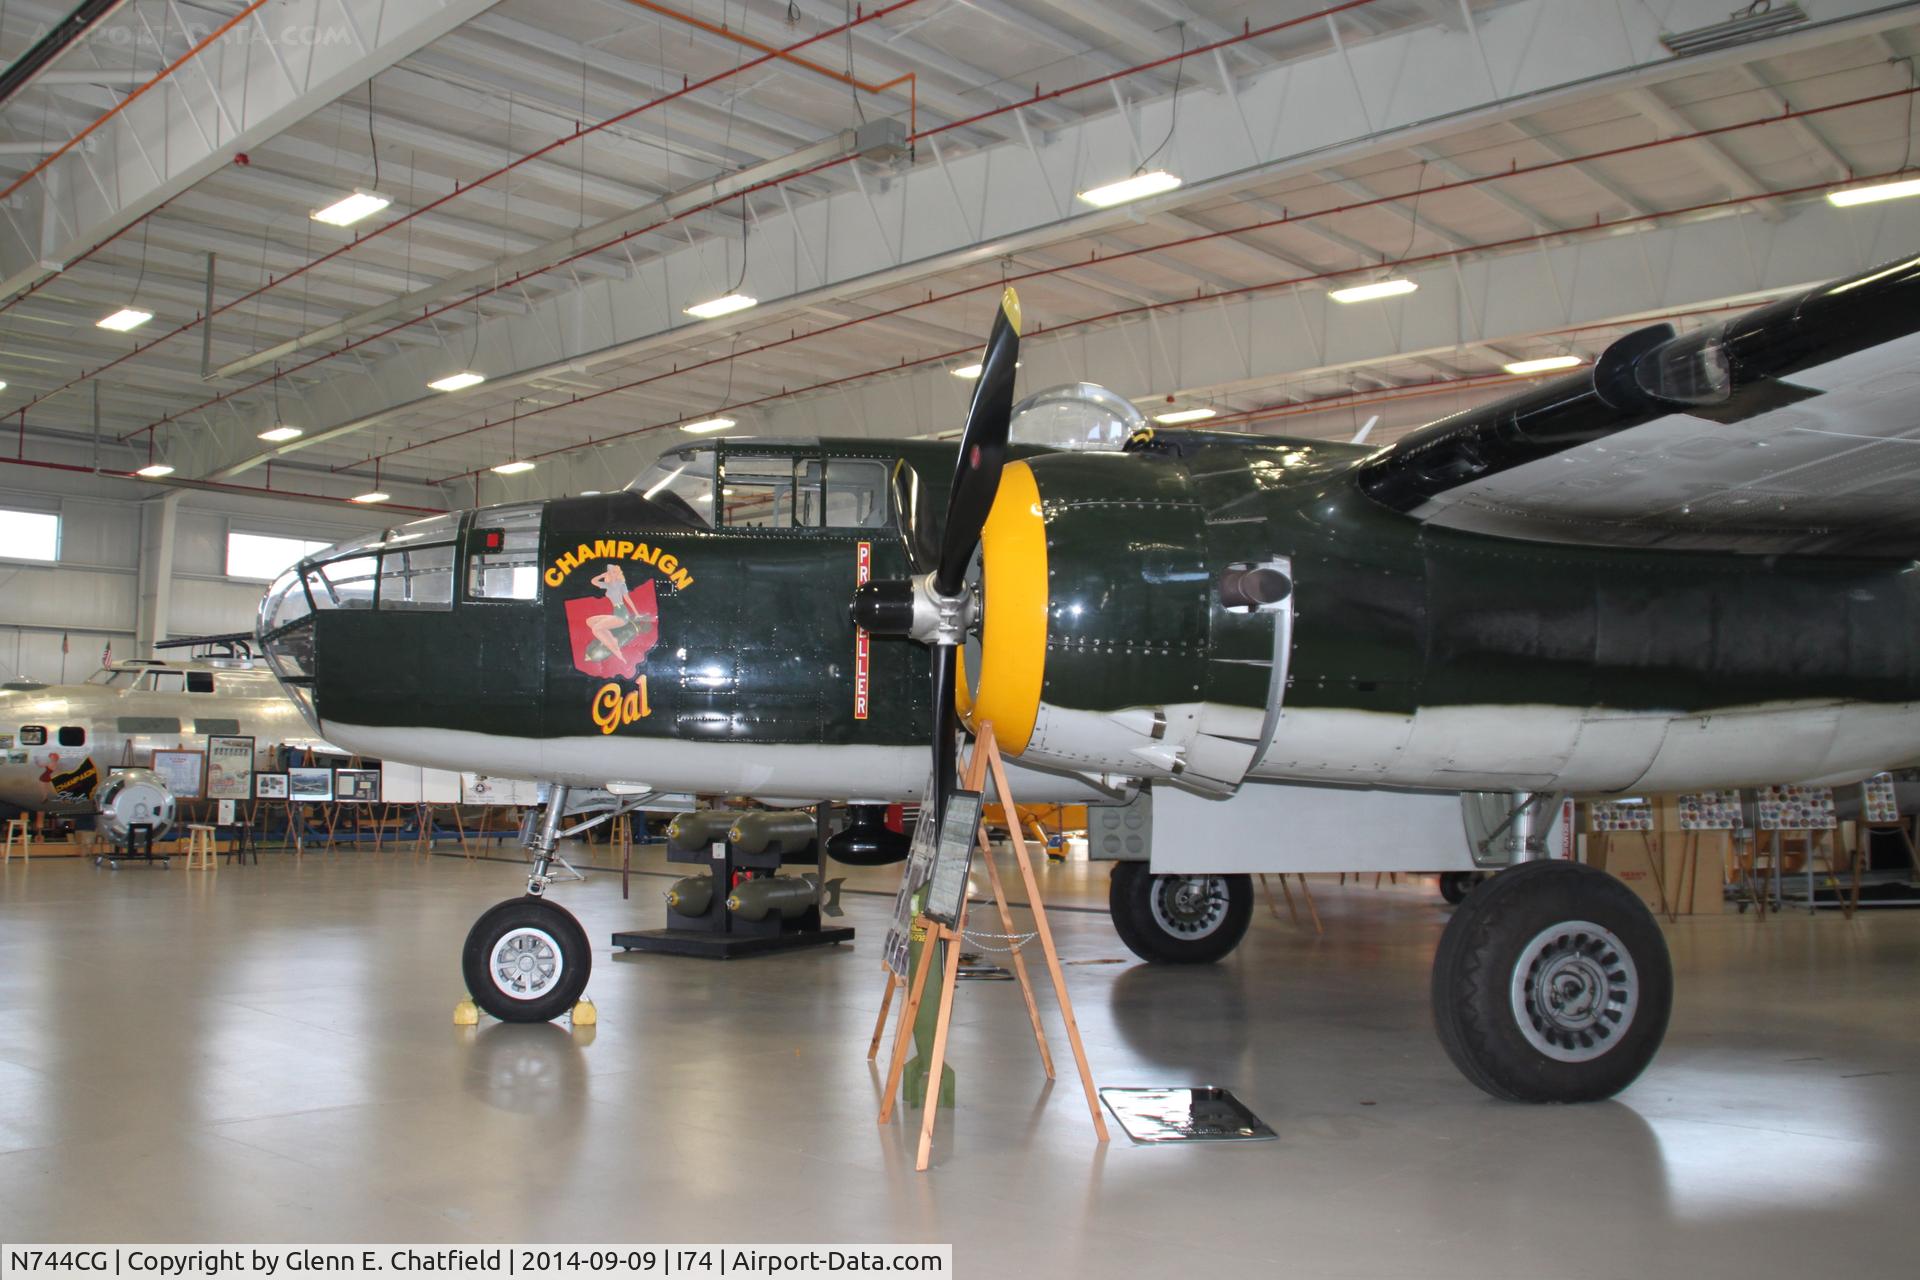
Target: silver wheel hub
x: 1189, y: 906
x: 526, y: 963
x: 1574, y: 991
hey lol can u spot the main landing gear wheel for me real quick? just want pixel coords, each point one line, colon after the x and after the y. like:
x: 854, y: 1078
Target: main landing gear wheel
x: 526, y: 960
x: 1179, y: 919
x: 1552, y: 984
x: 1455, y: 885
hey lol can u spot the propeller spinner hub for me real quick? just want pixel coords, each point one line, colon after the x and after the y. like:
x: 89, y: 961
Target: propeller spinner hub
x: 915, y: 608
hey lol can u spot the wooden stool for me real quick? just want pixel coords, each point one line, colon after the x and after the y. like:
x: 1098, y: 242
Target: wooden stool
x: 201, y: 840
x: 22, y: 828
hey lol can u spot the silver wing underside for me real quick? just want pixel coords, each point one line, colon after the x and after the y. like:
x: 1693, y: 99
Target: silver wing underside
x: 1833, y: 467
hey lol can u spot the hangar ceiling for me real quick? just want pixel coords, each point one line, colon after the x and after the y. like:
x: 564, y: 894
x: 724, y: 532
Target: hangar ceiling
x: 566, y: 180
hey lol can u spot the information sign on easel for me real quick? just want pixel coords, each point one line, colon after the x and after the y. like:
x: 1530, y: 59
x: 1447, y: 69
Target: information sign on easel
x: 953, y: 859
x: 985, y: 755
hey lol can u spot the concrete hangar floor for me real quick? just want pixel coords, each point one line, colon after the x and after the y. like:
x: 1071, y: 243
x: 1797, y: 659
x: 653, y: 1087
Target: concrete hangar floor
x: 269, y: 1055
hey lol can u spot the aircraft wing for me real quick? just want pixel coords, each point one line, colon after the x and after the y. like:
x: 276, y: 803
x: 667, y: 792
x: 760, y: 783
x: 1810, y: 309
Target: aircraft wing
x: 1794, y: 428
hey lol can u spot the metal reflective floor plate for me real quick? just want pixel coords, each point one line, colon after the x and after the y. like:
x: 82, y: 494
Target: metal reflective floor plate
x: 1201, y: 1113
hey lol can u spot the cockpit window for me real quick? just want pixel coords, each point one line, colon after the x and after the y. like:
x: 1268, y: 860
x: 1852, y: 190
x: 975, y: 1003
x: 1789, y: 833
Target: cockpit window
x: 857, y: 494
x: 344, y: 584
x: 503, y: 553
x: 109, y: 678
x: 770, y: 492
x: 682, y: 483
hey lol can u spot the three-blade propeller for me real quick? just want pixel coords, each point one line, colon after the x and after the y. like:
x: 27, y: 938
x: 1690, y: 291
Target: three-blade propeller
x: 934, y: 606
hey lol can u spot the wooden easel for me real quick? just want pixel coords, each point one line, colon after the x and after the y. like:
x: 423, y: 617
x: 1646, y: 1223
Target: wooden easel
x: 1273, y: 907
x: 620, y: 838
x: 1686, y: 885
x: 424, y: 840
x: 985, y: 755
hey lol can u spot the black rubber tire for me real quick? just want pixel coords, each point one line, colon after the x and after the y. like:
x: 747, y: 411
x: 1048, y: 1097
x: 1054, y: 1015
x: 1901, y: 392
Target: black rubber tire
x: 1130, y: 903
x: 1456, y: 885
x: 1473, y: 972
x: 576, y: 959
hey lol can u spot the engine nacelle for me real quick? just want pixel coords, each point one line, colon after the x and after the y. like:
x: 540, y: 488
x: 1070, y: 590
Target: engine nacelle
x: 1106, y: 645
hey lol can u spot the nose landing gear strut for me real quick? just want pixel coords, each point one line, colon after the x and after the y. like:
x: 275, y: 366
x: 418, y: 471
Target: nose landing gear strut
x: 526, y: 959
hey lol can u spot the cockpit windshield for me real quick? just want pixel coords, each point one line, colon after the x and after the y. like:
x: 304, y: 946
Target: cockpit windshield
x: 110, y: 678
x: 682, y: 483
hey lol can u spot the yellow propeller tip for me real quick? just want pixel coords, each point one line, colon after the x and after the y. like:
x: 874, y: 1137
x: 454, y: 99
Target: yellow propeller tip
x: 1010, y: 303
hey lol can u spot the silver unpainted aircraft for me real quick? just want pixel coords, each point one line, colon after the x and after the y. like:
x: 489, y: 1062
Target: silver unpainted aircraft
x: 58, y: 742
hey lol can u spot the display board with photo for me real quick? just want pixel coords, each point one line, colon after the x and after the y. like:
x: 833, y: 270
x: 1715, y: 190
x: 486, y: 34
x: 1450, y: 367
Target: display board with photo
x: 181, y: 772
x: 356, y: 786
x: 1620, y: 815
x: 1791, y: 807
x: 270, y: 786
x: 229, y: 768
x: 1709, y: 811
x: 482, y: 788
x: 310, y: 785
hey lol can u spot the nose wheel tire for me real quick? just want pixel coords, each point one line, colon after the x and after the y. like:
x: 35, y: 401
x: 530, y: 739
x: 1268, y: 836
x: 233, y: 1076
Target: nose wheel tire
x: 1179, y: 919
x: 526, y: 960
x: 1552, y: 983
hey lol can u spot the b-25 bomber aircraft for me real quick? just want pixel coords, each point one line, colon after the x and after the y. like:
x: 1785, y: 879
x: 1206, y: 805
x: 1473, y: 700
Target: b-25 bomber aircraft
x: 1689, y: 565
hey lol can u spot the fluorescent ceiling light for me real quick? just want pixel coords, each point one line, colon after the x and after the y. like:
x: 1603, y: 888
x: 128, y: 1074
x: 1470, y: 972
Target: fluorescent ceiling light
x: 1378, y: 289
x: 281, y: 434
x: 706, y: 425
x: 1756, y: 22
x: 375, y: 496
x: 1545, y: 364
x: 351, y: 209
x: 974, y: 370
x: 1879, y: 191
x: 153, y: 471
x: 513, y: 468
x: 1179, y: 416
x: 1138, y: 187
x: 124, y: 319
x: 722, y: 306
x: 458, y: 381
x: 3, y: 384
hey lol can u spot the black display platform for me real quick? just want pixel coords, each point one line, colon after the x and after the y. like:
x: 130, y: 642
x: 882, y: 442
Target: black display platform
x: 725, y: 946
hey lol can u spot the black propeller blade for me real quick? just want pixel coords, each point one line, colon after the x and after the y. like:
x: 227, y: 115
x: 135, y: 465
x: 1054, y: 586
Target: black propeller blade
x: 976, y: 479
x: 932, y: 609
x: 983, y: 448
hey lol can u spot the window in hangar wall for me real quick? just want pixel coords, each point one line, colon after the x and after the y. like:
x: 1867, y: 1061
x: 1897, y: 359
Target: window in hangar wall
x: 29, y: 535
x: 263, y: 556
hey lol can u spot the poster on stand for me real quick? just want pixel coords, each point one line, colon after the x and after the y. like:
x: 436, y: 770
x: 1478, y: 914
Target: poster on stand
x: 229, y: 768
x: 1709, y: 811
x: 312, y: 785
x: 1791, y: 807
x: 356, y: 786
x: 1879, y: 804
x: 181, y: 772
x: 1620, y: 815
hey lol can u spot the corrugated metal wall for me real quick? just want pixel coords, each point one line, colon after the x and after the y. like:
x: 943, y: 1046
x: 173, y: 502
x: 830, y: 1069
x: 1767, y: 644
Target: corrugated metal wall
x: 90, y: 596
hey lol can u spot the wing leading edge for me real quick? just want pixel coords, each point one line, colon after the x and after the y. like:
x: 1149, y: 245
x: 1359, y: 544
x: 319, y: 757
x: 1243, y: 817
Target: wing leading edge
x: 1790, y: 429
